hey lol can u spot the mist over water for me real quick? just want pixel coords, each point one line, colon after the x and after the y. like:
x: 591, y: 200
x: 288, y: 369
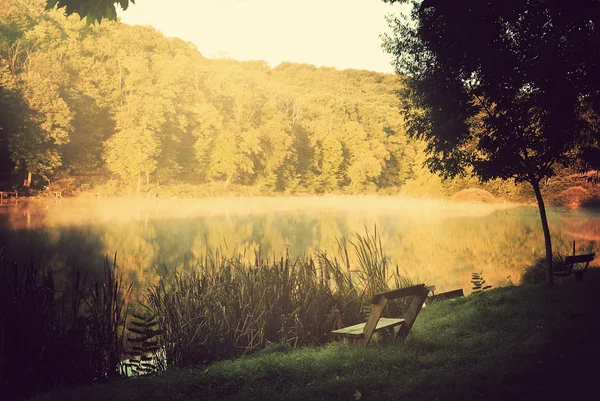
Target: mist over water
x: 433, y: 241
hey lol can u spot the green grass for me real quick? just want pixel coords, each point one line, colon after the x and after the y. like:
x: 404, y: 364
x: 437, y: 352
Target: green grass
x: 527, y: 342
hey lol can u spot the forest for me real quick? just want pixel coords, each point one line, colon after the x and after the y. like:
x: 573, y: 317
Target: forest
x: 124, y: 105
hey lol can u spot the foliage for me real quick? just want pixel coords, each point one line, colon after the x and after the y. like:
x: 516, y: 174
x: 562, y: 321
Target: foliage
x: 94, y: 10
x: 501, y: 89
x: 143, y: 347
x: 474, y: 195
x: 128, y: 101
x: 125, y: 101
x: 574, y: 196
x: 536, y: 272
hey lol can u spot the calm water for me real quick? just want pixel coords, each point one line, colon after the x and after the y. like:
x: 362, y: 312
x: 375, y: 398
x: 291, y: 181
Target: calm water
x: 433, y: 241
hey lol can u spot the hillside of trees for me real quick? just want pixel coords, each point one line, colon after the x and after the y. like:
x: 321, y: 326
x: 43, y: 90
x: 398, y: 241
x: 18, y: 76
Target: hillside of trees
x: 119, y: 104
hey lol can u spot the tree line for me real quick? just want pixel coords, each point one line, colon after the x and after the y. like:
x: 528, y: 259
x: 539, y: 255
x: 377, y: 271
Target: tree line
x: 79, y: 98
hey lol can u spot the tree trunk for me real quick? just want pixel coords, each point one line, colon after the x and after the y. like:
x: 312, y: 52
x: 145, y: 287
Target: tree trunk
x: 147, y: 178
x: 139, y: 183
x: 547, y: 240
x: 28, y: 182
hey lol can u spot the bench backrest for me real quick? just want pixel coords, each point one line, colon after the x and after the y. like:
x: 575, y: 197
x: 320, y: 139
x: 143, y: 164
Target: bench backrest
x: 379, y: 302
x: 579, y: 258
x: 447, y: 295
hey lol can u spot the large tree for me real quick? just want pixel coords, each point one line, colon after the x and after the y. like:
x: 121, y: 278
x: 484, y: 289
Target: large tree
x: 502, y: 88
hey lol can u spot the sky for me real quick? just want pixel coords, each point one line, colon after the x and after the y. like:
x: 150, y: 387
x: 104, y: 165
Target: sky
x: 334, y: 33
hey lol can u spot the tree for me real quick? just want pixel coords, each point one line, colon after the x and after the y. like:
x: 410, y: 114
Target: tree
x: 502, y: 87
x: 94, y: 10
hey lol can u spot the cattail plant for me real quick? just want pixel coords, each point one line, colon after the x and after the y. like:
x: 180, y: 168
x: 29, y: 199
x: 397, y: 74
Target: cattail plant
x: 227, y: 306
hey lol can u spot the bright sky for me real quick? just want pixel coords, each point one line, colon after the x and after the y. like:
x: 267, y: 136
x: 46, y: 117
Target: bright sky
x: 335, y: 33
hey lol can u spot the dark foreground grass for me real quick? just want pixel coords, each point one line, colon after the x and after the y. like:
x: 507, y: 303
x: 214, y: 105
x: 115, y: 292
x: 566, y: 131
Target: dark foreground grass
x: 514, y: 343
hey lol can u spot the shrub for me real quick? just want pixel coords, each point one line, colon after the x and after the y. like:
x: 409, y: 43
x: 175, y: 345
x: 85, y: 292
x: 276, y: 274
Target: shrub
x: 573, y: 196
x: 474, y: 195
x: 536, y: 273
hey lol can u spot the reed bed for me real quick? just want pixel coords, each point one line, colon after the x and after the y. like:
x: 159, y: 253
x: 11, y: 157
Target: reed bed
x: 226, y: 306
x: 218, y: 308
x: 44, y: 343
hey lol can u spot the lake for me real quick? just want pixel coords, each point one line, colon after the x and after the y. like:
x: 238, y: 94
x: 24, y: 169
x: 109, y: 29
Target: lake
x: 433, y: 241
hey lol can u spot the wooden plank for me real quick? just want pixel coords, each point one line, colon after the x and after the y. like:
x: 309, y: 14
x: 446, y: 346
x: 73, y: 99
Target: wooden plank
x: 386, y: 322
x: 376, y: 312
x: 446, y: 295
x: 579, y: 258
x: 356, y: 331
x: 413, y: 312
x: 350, y: 331
x: 399, y: 293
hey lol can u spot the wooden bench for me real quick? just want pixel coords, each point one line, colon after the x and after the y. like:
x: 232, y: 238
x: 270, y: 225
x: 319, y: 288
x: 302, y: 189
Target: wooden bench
x: 363, y: 332
x: 8, y: 195
x: 445, y: 295
x: 571, y: 261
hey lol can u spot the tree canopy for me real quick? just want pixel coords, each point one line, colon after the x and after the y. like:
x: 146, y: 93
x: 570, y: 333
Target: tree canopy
x: 126, y: 101
x: 93, y: 10
x: 501, y: 88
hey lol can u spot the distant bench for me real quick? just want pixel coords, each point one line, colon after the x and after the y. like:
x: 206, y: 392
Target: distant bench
x: 571, y: 261
x: 444, y: 295
x: 363, y: 332
x: 7, y: 195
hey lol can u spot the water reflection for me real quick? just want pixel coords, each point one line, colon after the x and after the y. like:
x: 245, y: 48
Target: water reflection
x: 435, y: 242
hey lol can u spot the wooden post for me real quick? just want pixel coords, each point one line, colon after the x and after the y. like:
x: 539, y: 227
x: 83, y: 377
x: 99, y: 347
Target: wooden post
x: 376, y: 312
x: 573, y: 247
x: 413, y: 311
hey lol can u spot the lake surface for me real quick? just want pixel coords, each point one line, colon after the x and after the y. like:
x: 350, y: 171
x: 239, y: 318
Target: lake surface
x: 432, y: 241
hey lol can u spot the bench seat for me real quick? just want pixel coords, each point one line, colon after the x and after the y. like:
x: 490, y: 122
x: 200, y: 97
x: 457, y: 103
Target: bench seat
x: 356, y: 331
x: 375, y: 322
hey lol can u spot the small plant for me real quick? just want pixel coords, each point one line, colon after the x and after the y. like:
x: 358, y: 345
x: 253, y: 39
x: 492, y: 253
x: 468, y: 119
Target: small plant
x: 478, y: 282
x: 143, y: 344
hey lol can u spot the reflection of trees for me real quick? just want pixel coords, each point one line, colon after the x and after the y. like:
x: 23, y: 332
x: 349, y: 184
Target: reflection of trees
x: 137, y: 249
x: 431, y: 246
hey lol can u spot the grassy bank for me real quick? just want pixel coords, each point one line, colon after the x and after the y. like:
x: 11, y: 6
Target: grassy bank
x: 526, y: 342
x: 218, y: 308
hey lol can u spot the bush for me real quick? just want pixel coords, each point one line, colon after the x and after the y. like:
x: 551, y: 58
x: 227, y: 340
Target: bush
x: 536, y: 273
x: 573, y: 196
x: 474, y: 195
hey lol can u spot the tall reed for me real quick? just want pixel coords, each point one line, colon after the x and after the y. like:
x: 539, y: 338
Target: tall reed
x: 43, y: 343
x: 225, y: 306
x: 221, y: 307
